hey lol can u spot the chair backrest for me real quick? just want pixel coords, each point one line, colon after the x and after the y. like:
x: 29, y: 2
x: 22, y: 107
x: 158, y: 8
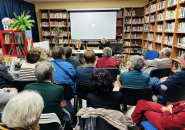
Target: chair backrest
x: 160, y: 72
x: 82, y: 91
x: 20, y: 84
x: 175, y: 94
x: 131, y: 95
x: 49, y: 121
x: 150, y: 55
x: 67, y: 89
x: 114, y: 72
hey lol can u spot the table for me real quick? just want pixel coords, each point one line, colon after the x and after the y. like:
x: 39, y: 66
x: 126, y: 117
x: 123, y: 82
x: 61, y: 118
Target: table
x: 82, y: 51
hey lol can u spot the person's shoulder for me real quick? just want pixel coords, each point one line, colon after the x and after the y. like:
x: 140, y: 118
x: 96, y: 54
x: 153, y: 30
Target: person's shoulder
x: 59, y: 87
x: 29, y: 86
x: 124, y: 73
x: 79, y: 68
x: 2, y: 66
x: 117, y: 93
x: 146, y: 75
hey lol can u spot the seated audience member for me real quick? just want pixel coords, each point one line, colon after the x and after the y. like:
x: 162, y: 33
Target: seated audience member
x: 59, y: 75
x: 5, y: 95
x: 27, y: 68
x: 104, y: 43
x: 5, y: 78
x: 78, y: 46
x: 43, y: 55
x: 135, y: 78
x: 163, y: 61
x: 83, y: 73
x: 107, y: 61
x: 22, y: 112
x: 101, y: 83
x: 69, y: 58
x: 52, y: 94
x: 162, y: 117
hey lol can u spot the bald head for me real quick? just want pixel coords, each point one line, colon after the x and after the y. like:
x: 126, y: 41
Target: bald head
x: 1, y: 56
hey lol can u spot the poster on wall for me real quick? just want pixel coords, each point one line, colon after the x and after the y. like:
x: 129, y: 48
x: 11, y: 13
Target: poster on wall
x: 6, y: 21
x: 29, y: 39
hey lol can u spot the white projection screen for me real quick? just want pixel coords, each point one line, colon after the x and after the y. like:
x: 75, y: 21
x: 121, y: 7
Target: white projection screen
x: 93, y: 25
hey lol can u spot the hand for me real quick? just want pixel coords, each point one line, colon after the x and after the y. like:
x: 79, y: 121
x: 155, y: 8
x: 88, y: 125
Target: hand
x: 163, y: 79
x: 165, y: 109
x: 63, y: 104
x: 9, y: 89
x: 170, y: 108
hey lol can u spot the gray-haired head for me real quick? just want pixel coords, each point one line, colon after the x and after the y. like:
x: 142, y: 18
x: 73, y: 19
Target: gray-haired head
x: 166, y: 52
x: 103, y: 40
x: 107, y: 52
x: 137, y: 62
x: 23, y: 110
x: 43, y: 70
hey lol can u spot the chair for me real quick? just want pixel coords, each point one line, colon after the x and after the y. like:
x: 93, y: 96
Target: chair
x: 114, y: 72
x: 49, y: 121
x: 160, y: 73
x: 20, y: 84
x: 148, y: 126
x: 67, y: 89
x: 150, y: 55
x: 131, y: 95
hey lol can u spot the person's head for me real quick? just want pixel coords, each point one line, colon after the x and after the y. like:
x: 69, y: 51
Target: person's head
x: 103, y: 40
x: 182, y: 60
x: 165, y: 52
x: 68, y: 51
x: 43, y: 55
x: 101, y: 81
x: 23, y: 110
x: 89, y: 56
x: 77, y: 41
x: 1, y: 56
x: 107, y: 52
x: 33, y: 56
x: 58, y: 53
x: 44, y: 71
x: 137, y: 62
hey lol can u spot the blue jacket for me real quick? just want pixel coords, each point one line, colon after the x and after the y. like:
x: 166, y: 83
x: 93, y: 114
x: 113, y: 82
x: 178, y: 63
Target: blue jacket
x: 175, y: 79
x: 74, y: 62
x: 134, y: 79
x: 60, y: 76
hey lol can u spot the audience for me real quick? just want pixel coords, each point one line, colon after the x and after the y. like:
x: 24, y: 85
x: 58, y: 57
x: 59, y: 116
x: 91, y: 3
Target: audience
x: 22, y: 112
x: 5, y: 78
x: 43, y: 55
x: 69, y: 58
x: 162, y: 117
x: 101, y: 83
x: 135, y: 78
x: 27, y: 69
x: 60, y: 75
x: 107, y: 61
x: 83, y: 73
x: 5, y: 95
x: 163, y: 61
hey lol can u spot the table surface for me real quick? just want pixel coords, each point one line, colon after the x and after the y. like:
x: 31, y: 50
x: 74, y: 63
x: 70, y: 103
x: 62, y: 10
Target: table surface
x: 82, y: 51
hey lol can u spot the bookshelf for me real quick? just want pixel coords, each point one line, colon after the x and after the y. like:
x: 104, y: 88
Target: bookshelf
x: 15, y: 44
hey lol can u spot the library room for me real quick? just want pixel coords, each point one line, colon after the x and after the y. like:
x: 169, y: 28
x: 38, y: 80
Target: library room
x: 92, y: 64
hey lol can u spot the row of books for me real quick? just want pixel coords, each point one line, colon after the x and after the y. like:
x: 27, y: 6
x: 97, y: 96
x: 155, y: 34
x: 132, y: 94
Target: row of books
x: 44, y: 24
x: 171, y: 14
x: 159, y: 38
x: 181, y: 41
x: 128, y: 12
x: 64, y: 33
x: 92, y: 48
x: 150, y: 46
x: 181, y: 1
x: 11, y: 51
x: 127, y: 20
x: 181, y: 12
x: 160, y: 16
x: 138, y: 50
x: 132, y: 43
x: 169, y: 27
x: 172, y: 2
x: 176, y: 66
x: 180, y: 52
x: 137, y: 20
x: 137, y: 28
x: 159, y: 27
x: 18, y: 37
x: 126, y: 43
x: 20, y: 50
x: 147, y: 10
x: 127, y: 35
x: 152, y: 18
x: 57, y: 23
x: 126, y: 50
x: 151, y: 27
x: 127, y: 28
x: 44, y: 15
x: 150, y: 36
x: 45, y: 33
x: 158, y: 48
x: 161, y: 5
x: 146, y: 19
x: 137, y: 35
x: 133, y: 13
x: 153, y: 8
x: 181, y: 27
x: 143, y: 51
x: 8, y: 38
x: 168, y: 40
x: 58, y: 15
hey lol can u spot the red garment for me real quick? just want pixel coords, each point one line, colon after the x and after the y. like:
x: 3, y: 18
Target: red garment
x: 162, y: 120
x: 107, y: 62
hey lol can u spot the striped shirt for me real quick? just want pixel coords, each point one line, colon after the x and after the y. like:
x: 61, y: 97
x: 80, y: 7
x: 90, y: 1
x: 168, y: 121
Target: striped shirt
x: 27, y: 72
x: 4, y: 127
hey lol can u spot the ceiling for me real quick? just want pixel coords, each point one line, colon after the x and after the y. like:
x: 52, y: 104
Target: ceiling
x: 63, y: 0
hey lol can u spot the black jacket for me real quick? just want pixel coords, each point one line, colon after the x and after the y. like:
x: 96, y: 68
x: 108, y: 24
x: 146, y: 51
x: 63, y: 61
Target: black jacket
x: 107, y: 44
x: 81, y: 48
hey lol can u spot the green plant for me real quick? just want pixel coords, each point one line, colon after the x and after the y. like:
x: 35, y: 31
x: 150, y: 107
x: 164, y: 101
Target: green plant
x: 22, y: 22
x: 57, y: 30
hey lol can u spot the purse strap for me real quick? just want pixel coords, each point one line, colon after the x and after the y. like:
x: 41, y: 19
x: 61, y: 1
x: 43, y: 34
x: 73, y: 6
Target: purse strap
x: 63, y: 70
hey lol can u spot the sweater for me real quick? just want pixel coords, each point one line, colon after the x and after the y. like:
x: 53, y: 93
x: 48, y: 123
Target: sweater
x: 107, y: 62
x: 27, y: 72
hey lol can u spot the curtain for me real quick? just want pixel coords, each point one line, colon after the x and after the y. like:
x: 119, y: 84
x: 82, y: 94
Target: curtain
x: 7, y: 7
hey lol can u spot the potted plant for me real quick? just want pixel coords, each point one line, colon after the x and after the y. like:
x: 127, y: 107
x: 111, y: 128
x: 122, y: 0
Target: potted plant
x: 21, y: 22
x: 58, y: 31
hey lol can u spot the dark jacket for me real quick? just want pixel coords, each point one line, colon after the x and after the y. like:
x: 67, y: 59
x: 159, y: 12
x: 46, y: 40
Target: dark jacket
x: 74, y: 62
x: 107, y: 44
x: 81, y: 48
x: 5, y: 77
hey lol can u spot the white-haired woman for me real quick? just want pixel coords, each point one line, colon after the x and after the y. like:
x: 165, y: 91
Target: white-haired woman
x: 107, y: 61
x: 22, y: 112
x: 135, y: 78
x: 78, y: 46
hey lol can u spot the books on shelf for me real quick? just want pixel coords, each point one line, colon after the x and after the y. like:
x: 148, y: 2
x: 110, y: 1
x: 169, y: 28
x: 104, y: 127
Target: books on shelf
x: 137, y: 28
x: 138, y: 50
x: 158, y: 48
x: 11, y: 51
x: 151, y: 36
x: 181, y: 27
x: 57, y: 23
x: 134, y: 43
x: 127, y: 35
x: 181, y: 41
x: 168, y: 40
x: 159, y: 38
x: 133, y: 13
x: 146, y: 27
x: 181, y: 12
x: 152, y: 18
x: 44, y: 15
x: 181, y: 1
x: 18, y: 37
x: 161, y: 5
x: 176, y: 66
x: 146, y: 19
x: 171, y: 14
x: 151, y: 27
x: 127, y: 28
x: 128, y: 12
x: 20, y: 50
x: 137, y: 20
x: 153, y: 8
x: 180, y: 52
x: 127, y: 20
x: 150, y: 46
x: 172, y: 2
x: 92, y: 48
x: 160, y: 16
x: 147, y: 10
x: 45, y: 33
x: 159, y: 27
x: 44, y: 24
x: 145, y: 44
x: 126, y: 43
x: 169, y: 27
x: 126, y: 50
x: 58, y: 15
x: 143, y: 51
x: 136, y: 35
x: 8, y: 38
x: 46, y: 39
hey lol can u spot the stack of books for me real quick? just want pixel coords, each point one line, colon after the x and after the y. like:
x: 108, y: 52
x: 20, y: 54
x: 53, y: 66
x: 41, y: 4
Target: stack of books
x: 57, y: 23
x: 137, y: 20
x: 160, y: 16
x: 168, y: 40
x: 137, y: 28
x: 171, y: 14
x: 158, y: 48
x: 8, y: 38
x: 44, y: 24
x: 169, y: 27
x: 128, y: 12
x: 181, y: 41
x: 172, y: 2
x: 126, y: 43
x: 176, y: 66
x: 161, y: 5
x: 159, y: 27
x: 181, y: 27
x: 44, y: 15
x: 153, y: 8
x: 159, y: 38
x: 127, y: 20
x: 137, y: 35
x: 146, y: 19
x: 151, y: 36
x: 58, y: 15
x: 127, y: 28
x: 152, y: 18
